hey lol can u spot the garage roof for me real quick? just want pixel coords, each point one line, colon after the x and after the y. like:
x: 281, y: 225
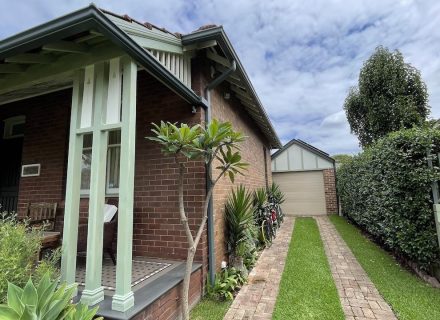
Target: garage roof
x: 306, y: 146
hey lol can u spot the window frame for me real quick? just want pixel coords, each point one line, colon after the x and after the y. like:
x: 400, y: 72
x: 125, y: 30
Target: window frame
x: 9, y: 127
x: 85, y: 193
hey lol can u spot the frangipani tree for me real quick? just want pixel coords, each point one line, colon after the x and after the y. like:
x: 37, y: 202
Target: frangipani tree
x: 217, y: 142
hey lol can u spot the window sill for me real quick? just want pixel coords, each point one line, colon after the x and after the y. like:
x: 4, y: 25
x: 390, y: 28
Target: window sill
x: 108, y: 195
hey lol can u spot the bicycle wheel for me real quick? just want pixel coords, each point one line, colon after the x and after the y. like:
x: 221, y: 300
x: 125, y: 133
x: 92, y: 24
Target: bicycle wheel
x: 265, y: 233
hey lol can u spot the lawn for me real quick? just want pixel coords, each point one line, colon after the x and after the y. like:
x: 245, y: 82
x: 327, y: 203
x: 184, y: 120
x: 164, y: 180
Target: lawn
x: 210, y: 310
x: 307, y: 289
x: 410, y: 297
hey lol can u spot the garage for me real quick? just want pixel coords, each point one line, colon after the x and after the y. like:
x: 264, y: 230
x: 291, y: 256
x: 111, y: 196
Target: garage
x: 306, y: 175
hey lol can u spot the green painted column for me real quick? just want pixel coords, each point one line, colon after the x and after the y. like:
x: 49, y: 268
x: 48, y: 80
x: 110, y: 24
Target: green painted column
x: 94, y: 292
x: 73, y: 185
x: 123, y: 298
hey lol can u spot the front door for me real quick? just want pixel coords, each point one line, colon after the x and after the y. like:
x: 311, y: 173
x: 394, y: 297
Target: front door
x: 10, y: 167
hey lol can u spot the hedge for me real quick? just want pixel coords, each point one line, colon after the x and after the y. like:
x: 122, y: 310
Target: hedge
x: 386, y: 191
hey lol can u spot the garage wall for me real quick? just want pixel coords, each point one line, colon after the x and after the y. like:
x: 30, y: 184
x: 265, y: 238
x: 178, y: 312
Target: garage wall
x: 304, y: 192
x: 295, y: 158
x: 306, y: 175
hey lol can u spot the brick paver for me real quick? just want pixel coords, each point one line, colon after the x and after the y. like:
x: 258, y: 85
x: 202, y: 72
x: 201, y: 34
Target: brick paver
x: 359, y: 297
x: 256, y: 300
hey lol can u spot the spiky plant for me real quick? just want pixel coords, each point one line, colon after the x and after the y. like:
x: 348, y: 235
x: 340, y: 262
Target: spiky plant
x: 275, y: 195
x: 239, y: 215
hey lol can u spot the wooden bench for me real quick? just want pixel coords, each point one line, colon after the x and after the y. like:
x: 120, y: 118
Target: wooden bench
x: 42, y: 214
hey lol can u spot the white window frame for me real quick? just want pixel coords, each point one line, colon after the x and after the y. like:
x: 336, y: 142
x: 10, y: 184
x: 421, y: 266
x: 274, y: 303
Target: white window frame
x: 84, y: 193
x: 108, y: 190
x: 9, y: 127
x: 35, y: 165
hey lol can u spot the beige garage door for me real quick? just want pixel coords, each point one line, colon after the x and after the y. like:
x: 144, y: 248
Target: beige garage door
x: 304, y: 192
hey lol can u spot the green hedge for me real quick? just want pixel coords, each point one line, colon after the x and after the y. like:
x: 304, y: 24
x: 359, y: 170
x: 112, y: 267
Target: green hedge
x: 386, y: 190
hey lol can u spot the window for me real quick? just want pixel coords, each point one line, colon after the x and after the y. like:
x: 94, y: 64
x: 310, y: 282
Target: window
x: 113, y: 156
x: 14, y: 127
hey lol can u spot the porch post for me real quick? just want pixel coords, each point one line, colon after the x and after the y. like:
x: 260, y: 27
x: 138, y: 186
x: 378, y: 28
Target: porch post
x: 94, y: 292
x: 123, y: 298
x: 73, y: 185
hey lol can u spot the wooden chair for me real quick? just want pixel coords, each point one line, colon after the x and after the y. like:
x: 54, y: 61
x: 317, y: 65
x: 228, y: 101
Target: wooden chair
x: 108, y: 237
x: 42, y: 214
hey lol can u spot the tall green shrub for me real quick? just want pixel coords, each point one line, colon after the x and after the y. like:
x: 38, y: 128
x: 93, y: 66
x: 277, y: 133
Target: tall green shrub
x: 386, y: 190
x: 19, y: 247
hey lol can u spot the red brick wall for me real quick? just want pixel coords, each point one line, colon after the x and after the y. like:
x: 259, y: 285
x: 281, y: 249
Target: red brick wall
x: 252, y: 151
x: 45, y: 142
x: 331, y: 202
x: 157, y: 229
x: 168, y: 306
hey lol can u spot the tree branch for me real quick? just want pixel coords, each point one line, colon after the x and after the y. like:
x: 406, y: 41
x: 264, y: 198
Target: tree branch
x: 205, y: 209
x: 183, y: 217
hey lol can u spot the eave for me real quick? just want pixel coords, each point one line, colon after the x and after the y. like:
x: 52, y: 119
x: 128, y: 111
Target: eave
x: 240, y: 80
x: 92, y: 19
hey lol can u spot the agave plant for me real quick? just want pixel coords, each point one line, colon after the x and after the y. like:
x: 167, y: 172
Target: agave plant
x: 260, y: 202
x: 44, y: 302
x: 275, y: 195
x: 239, y: 216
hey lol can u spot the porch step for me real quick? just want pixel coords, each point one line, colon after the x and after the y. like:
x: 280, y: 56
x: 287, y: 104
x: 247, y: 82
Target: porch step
x: 147, y: 295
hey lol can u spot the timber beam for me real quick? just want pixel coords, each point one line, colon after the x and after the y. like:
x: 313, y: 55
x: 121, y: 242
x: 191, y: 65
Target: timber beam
x: 67, y: 63
x: 12, y: 68
x: 66, y: 46
x: 31, y: 58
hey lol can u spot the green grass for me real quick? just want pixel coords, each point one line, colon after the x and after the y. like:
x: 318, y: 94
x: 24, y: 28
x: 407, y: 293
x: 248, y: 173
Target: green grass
x: 210, y: 310
x: 307, y: 289
x: 410, y: 297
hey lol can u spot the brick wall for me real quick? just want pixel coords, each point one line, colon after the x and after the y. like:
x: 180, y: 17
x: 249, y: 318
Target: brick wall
x: 45, y: 142
x: 252, y: 151
x: 157, y: 229
x: 168, y: 306
x: 331, y: 202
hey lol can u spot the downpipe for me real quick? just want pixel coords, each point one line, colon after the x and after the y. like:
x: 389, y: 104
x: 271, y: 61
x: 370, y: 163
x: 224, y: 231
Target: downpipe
x: 208, y: 116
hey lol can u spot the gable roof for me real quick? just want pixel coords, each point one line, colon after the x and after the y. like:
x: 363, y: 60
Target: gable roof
x: 306, y: 146
x: 243, y: 89
x: 121, y: 30
x: 86, y: 19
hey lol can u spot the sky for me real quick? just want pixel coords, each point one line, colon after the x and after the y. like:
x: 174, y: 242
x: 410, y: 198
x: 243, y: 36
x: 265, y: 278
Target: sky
x: 301, y: 56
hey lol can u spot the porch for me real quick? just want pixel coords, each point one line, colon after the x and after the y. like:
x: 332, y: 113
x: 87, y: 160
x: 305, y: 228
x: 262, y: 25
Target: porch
x: 154, y: 282
x: 76, y: 125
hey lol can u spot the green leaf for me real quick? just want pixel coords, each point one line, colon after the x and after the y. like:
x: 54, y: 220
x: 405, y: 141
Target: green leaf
x: 7, y: 313
x: 30, y: 295
x: 29, y: 314
x: 14, y: 298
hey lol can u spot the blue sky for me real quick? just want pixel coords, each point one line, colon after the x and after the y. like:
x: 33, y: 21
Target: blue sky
x: 302, y: 56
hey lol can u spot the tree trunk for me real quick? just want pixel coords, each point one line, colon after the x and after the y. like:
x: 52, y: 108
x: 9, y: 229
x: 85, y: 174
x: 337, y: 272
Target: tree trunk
x: 186, y: 282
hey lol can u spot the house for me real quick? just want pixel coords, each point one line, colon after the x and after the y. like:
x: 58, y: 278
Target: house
x: 306, y: 175
x: 78, y: 95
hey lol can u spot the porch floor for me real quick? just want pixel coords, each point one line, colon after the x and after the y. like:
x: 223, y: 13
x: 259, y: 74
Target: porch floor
x: 144, y: 270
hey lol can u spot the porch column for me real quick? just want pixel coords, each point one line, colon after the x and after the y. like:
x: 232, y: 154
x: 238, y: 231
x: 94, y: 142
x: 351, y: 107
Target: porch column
x: 123, y: 298
x: 73, y: 185
x: 94, y: 291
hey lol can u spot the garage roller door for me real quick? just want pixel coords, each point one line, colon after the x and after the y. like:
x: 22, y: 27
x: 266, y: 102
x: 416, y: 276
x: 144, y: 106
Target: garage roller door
x: 304, y: 192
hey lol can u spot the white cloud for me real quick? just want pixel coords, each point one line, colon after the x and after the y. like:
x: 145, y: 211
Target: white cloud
x: 302, y: 56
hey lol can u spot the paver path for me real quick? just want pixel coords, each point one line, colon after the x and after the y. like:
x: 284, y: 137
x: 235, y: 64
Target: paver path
x: 359, y: 297
x: 256, y: 300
